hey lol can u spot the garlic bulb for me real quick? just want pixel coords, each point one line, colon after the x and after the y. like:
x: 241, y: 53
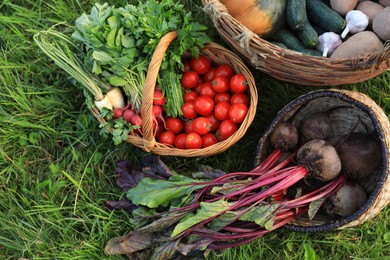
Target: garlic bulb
x: 328, y: 42
x: 357, y: 21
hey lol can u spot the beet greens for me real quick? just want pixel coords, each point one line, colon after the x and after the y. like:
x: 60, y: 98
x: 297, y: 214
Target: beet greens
x: 184, y: 214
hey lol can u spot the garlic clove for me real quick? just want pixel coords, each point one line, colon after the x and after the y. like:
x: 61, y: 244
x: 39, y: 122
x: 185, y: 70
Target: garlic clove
x: 328, y: 42
x: 357, y: 21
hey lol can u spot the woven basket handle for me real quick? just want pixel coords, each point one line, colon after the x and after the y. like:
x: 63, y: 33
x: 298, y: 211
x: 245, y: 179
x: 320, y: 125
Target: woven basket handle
x: 150, y: 83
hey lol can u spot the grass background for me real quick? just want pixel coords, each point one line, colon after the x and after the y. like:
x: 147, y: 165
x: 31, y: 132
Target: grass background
x: 56, y: 171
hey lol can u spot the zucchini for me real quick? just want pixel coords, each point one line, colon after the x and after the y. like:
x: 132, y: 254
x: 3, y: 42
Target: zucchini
x: 292, y: 42
x: 324, y: 16
x: 296, y: 14
x: 308, y: 36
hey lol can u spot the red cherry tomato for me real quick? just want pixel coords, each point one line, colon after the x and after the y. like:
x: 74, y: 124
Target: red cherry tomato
x: 241, y: 98
x: 227, y: 128
x: 208, y: 140
x: 190, y: 79
x: 207, y: 89
x: 213, y: 121
x: 237, y: 112
x: 224, y: 70
x: 193, y: 141
x: 180, y: 141
x: 167, y: 138
x: 188, y: 110
x: 188, y: 126
x: 220, y: 84
x: 201, y: 125
x: 174, y: 124
x: 238, y: 83
x: 209, y: 75
x: 222, y: 97
x: 221, y: 110
x: 190, y: 96
x: 204, y: 105
x: 201, y: 64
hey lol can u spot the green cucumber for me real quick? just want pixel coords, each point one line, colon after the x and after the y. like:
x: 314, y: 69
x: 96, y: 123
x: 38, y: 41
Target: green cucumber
x: 308, y: 36
x: 289, y: 39
x: 296, y: 14
x: 324, y: 16
x: 292, y: 42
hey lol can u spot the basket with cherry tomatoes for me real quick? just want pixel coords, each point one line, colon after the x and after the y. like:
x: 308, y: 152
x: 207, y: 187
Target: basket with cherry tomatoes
x: 219, y: 104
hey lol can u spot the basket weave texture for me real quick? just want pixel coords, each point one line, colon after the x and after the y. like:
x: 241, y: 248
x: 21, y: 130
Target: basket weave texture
x: 373, y: 119
x: 291, y: 66
x: 218, y: 55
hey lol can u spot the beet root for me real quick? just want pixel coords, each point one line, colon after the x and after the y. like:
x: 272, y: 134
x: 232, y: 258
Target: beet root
x: 284, y: 136
x: 316, y: 126
x: 320, y: 159
x: 360, y: 156
x: 347, y: 200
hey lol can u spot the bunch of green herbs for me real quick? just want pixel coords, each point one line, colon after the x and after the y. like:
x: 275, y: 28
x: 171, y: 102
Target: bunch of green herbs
x: 120, y: 41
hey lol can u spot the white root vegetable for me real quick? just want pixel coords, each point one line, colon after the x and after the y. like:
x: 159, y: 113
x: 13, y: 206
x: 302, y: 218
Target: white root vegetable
x: 56, y: 46
x: 104, y: 102
x: 357, y: 21
x: 328, y: 42
x: 116, y: 98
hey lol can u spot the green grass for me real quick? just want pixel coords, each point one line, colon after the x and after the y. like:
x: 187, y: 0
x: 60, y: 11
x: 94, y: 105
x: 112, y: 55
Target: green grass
x: 56, y: 170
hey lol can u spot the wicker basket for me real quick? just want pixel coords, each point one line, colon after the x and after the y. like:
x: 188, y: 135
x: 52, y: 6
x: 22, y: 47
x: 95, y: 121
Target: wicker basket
x: 373, y: 119
x: 291, y: 66
x: 217, y: 55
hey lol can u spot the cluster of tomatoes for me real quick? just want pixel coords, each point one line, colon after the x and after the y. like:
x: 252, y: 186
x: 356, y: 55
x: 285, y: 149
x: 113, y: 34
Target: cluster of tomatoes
x: 215, y: 104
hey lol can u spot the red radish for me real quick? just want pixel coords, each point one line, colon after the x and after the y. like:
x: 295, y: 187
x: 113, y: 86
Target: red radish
x: 136, y: 120
x: 158, y: 98
x: 128, y: 114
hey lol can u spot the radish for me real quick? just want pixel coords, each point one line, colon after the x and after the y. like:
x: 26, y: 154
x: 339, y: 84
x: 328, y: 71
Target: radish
x: 158, y: 98
x: 347, y: 200
x: 284, y: 136
x: 128, y: 115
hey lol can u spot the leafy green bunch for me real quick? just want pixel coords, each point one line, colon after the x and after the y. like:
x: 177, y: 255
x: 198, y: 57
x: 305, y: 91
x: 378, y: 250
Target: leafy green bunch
x: 120, y: 42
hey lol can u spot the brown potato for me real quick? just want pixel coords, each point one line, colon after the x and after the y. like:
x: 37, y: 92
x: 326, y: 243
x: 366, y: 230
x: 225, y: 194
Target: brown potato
x: 381, y: 24
x: 358, y: 44
x: 370, y: 9
x: 343, y: 6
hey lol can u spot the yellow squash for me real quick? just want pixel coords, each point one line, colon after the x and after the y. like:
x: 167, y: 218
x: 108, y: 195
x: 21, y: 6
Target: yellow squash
x: 262, y: 17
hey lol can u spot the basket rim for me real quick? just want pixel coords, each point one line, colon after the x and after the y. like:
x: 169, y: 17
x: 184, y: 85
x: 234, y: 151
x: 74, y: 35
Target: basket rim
x: 149, y: 143
x: 384, y: 177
